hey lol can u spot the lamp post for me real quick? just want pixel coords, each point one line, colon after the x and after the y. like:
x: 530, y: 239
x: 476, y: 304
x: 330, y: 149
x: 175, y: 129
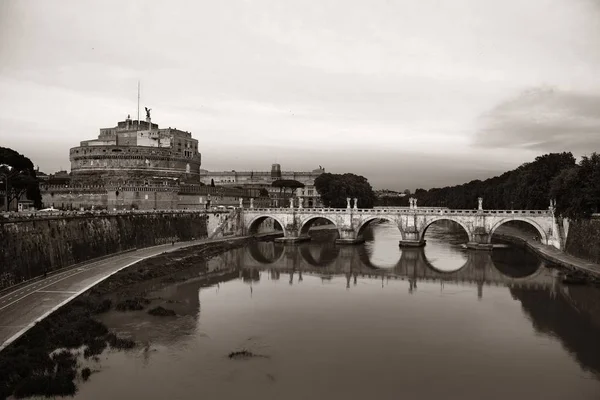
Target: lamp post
x: 6, y: 177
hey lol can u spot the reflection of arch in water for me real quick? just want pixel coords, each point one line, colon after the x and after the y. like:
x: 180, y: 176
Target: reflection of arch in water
x: 505, y: 260
x: 307, y: 223
x: 255, y: 223
x: 411, y: 259
x: 327, y: 255
x: 543, y: 235
x: 414, y: 263
x: 256, y: 253
x: 466, y: 228
x: 364, y: 257
x: 432, y: 267
x: 367, y: 222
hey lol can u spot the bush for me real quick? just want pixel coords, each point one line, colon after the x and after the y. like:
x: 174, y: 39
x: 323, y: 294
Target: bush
x: 135, y: 304
x: 85, y: 373
x: 161, y: 312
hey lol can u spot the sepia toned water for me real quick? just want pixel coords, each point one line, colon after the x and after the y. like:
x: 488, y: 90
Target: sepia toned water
x: 367, y: 321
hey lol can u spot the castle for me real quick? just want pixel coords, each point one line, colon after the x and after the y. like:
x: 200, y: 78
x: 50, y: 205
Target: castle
x: 138, y: 165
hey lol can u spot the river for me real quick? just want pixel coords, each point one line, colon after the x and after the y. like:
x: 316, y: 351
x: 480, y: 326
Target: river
x: 365, y: 321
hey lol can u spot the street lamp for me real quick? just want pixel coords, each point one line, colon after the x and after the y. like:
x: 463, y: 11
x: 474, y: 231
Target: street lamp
x: 6, y: 177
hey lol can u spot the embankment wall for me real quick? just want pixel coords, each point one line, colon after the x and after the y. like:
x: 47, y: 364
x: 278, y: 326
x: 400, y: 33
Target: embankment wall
x: 583, y: 239
x: 29, y: 247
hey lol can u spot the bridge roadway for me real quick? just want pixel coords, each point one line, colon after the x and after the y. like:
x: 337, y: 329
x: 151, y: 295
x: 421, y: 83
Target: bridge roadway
x: 412, y: 223
x: 21, y: 308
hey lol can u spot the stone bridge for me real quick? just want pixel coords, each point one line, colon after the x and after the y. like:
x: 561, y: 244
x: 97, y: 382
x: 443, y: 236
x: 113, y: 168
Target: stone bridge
x: 412, y: 222
x: 479, y: 268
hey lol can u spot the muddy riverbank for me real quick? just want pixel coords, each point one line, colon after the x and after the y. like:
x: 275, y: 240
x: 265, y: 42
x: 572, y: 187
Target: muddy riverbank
x: 61, y: 350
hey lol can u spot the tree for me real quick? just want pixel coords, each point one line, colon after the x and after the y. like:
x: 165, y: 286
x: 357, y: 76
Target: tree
x: 526, y: 187
x: 17, y: 173
x: 406, y: 192
x: 335, y: 188
x: 284, y: 184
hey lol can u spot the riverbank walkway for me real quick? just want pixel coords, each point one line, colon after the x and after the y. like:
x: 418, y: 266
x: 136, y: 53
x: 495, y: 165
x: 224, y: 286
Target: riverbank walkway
x: 550, y: 253
x: 23, y: 307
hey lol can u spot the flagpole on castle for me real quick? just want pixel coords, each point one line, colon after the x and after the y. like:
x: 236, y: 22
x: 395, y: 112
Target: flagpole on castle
x: 138, y: 119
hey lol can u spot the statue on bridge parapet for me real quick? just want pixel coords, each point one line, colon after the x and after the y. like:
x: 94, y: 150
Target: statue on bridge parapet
x: 300, y: 201
x: 480, y: 206
x: 552, y: 206
x: 251, y: 202
x: 241, y: 203
x: 355, y: 203
x: 291, y: 202
x: 412, y: 203
x: 347, y: 202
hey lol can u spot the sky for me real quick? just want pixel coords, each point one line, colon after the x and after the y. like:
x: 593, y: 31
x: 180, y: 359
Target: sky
x: 423, y: 93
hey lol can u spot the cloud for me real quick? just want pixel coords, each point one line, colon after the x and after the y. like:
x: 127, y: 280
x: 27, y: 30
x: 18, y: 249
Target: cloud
x: 543, y: 119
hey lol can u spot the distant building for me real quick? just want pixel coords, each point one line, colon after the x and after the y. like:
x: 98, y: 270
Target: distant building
x: 388, y: 193
x: 264, y: 180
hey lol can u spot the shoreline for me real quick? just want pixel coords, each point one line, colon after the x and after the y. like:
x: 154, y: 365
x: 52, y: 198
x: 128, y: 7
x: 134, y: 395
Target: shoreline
x: 52, y: 353
x: 549, y: 253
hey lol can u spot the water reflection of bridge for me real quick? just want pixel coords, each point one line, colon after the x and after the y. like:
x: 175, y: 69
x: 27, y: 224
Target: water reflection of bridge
x: 569, y: 313
x: 413, y: 265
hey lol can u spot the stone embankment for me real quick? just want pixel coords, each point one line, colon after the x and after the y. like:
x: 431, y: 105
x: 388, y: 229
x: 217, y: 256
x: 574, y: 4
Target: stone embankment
x: 31, y: 246
x: 583, y: 239
x: 549, y: 253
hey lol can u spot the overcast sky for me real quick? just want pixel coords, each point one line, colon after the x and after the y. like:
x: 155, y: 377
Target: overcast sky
x: 410, y: 94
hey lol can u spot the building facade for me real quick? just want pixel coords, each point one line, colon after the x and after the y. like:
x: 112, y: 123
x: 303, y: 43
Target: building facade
x: 264, y: 180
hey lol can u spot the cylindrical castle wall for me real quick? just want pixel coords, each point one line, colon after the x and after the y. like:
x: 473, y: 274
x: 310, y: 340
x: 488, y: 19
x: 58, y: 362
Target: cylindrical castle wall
x: 121, y: 164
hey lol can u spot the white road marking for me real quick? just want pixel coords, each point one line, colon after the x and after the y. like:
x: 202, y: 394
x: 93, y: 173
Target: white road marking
x: 57, y: 291
x: 29, y: 294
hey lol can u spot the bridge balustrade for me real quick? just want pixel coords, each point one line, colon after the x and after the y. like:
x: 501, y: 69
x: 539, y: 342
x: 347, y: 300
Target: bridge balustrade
x: 403, y: 210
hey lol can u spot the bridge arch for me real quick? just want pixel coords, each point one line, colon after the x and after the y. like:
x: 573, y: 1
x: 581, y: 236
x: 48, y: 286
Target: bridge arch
x: 444, y: 218
x: 255, y: 222
x: 543, y: 234
x: 306, y: 224
x: 327, y: 256
x: 255, y: 252
x: 364, y: 224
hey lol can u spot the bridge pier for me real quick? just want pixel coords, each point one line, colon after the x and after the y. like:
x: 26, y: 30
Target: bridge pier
x: 292, y: 239
x: 348, y: 236
x: 480, y: 240
x: 411, y: 239
x: 479, y: 246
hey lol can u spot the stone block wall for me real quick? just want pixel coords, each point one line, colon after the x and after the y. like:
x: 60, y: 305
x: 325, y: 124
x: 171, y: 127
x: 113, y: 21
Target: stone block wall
x: 583, y: 239
x: 28, y: 247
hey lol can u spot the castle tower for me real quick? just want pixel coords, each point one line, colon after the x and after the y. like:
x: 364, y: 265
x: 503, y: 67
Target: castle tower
x: 276, y: 171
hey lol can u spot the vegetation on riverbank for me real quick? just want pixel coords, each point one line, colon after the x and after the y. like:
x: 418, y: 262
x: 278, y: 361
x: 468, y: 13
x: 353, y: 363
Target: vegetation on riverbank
x: 575, y: 186
x: 161, y: 312
x: 45, y: 361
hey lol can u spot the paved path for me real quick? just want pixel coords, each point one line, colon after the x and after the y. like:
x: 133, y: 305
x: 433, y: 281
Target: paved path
x: 551, y: 253
x: 22, y: 308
